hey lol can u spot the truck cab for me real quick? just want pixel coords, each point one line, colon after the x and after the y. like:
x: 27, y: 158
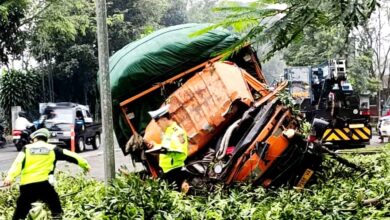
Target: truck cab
x: 70, y: 121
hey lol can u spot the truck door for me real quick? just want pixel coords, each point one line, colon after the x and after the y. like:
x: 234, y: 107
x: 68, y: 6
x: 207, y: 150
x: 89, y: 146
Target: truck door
x: 87, y: 117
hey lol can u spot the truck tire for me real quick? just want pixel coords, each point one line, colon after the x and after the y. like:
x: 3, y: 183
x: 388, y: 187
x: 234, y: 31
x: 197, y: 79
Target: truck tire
x: 96, y: 142
x: 80, y: 144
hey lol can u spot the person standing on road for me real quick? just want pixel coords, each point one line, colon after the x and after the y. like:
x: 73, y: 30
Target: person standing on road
x: 173, y: 149
x: 21, y: 123
x: 35, y: 163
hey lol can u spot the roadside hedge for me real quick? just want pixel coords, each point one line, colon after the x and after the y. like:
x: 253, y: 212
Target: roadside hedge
x: 338, y: 193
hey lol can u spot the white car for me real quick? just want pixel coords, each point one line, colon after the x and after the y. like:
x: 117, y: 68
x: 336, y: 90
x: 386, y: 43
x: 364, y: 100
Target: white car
x: 384, y: 127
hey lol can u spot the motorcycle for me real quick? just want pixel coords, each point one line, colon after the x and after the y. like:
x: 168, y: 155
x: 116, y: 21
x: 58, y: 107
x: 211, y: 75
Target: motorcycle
x: 21, y: 138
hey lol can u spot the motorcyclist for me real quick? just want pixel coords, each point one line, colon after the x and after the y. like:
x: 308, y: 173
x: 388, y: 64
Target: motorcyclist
x: 22, y: 123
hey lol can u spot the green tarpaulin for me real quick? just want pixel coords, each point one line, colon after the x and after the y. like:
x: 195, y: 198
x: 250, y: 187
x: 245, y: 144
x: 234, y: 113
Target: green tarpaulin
x: 155, y: 58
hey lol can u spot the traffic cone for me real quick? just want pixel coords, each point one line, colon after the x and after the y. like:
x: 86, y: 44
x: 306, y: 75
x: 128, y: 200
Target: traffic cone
x: 72, y: 139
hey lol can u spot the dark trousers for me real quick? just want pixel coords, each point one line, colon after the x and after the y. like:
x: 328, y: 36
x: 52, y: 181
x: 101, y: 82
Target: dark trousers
x: 175, y: 176
x: 33, y: 192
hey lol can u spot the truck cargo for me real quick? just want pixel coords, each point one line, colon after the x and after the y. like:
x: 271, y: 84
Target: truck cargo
x: 238, y: 128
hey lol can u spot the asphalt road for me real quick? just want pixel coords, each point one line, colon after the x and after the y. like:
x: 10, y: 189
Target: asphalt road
x: 94, y: 157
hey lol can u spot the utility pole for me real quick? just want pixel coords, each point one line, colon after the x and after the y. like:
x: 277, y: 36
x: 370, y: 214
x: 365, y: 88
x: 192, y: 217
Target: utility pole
x: 105, y: 92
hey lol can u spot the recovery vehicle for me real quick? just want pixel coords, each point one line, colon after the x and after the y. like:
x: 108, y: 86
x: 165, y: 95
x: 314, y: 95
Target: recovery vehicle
x: 325, y: 94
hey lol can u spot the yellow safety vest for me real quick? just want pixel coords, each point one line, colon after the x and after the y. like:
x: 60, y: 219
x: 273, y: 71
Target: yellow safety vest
x: 175, y: 140
x: 37, y: 161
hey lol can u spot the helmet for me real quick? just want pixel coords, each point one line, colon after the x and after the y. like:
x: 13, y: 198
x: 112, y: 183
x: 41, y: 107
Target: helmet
x: 161, y: 112
x: 22, y: 114
x: 43, y: 132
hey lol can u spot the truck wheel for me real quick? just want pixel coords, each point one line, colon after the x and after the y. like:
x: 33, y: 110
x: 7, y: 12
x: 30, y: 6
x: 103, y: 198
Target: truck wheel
x: 96, y: 142
x: 80, y: 144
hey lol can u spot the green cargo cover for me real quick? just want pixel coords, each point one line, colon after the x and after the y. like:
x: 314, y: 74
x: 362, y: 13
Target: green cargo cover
x: 153, y: 59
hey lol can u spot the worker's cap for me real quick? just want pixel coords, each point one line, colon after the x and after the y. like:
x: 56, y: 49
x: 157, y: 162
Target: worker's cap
x: 156, y: 114
x: 43, y: 132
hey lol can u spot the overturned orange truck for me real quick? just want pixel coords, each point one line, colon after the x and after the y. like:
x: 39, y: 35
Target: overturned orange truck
x: 235, y: 124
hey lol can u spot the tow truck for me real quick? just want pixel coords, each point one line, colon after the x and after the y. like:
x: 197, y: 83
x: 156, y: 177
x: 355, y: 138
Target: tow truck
x: 329, y: 97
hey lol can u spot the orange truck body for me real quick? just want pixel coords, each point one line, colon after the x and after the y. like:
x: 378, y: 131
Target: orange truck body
x: 207, y: 104
x: 203, y: 106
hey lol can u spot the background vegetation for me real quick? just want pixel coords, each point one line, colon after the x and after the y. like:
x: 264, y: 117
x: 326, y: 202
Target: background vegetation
x: 56, y: 40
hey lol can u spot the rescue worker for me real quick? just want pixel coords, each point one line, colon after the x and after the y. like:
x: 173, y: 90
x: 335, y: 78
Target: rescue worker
x: 173, y: 149
x: 21, y: 123
x: 36, y: 164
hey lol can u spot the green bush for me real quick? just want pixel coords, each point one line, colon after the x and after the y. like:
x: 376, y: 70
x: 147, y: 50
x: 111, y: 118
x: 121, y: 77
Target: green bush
x: 19, y: 88
x: 338, y: 193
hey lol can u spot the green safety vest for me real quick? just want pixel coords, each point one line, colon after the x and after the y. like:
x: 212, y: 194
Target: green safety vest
x: 37, y: 161
x: 175, y: 140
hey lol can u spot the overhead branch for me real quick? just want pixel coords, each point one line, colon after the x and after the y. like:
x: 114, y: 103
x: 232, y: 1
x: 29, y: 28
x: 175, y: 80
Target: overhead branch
x: 35, y: 16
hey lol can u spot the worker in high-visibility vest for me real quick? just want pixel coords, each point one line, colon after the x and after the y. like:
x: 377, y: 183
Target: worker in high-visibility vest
x: 173, y: 149
x: 35, y: 164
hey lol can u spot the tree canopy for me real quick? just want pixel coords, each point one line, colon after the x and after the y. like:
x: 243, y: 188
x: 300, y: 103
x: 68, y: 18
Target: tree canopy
x: 61, y: 37
x: 278, y: 23
x: 12, y: 13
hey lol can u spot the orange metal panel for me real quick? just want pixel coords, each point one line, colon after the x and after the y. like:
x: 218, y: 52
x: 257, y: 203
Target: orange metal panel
x: 264, y: 133
x: 255, y: 167
x: 202, y: 106
x: 153, y: 88
x: 258, y: 86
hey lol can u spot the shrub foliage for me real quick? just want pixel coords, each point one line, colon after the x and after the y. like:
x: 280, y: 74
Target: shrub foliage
x: 339, y: 193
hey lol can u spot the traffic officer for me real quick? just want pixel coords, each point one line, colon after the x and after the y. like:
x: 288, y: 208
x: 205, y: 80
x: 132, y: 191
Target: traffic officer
x: 35, y: 163
x: 173, y: 149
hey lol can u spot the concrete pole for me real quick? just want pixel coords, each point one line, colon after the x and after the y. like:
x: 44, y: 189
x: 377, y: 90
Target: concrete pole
x: 105, y: 92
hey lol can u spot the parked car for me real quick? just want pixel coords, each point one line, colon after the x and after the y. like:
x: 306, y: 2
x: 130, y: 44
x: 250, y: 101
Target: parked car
x: 383, y: 127
x: 63, y: 118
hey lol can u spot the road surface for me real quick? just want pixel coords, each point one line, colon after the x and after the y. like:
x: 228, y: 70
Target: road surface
x: 94, y: 157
